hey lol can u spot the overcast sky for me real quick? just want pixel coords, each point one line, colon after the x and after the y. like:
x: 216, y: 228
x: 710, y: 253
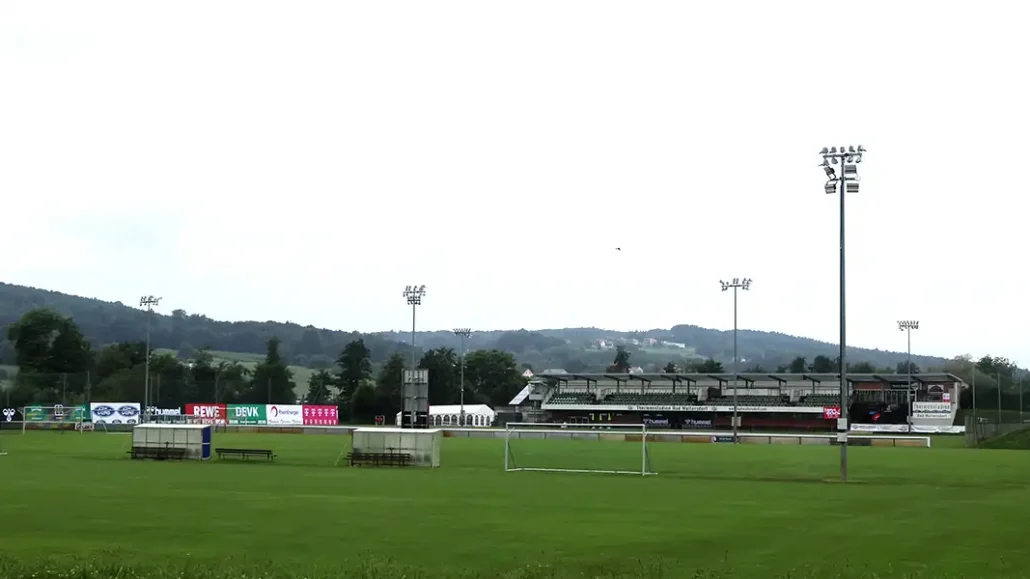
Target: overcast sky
x: 304, y: 161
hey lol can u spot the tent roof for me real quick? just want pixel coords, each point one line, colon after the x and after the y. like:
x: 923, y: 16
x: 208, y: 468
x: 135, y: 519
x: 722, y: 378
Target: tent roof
x: 481, y: 409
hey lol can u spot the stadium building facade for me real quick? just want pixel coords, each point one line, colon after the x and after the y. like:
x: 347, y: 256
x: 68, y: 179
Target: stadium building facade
x: 765, y: 401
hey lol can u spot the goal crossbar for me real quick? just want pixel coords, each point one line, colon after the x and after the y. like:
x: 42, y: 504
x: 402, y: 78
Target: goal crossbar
x: 566, y: 431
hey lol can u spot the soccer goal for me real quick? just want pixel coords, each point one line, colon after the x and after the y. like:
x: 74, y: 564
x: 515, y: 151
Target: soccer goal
x: 586, y: 448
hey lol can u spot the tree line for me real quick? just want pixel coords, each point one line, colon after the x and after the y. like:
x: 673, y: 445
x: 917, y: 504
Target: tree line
x: 58, y: 365
x: 573, y: 349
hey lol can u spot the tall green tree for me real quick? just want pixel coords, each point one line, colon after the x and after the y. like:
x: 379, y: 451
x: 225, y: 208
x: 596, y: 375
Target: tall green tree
x: 388, y: 386
x: 321, y: 387
x: 493, y: 377
x: 232, y: 382
x: 444, y: 375
x: 355, y: 363
x: 670, y: 368
x: 273, y: 381
x: 709, y: 366
x: 46, y: 342
x: 621, y: 363
x: 824, y: 365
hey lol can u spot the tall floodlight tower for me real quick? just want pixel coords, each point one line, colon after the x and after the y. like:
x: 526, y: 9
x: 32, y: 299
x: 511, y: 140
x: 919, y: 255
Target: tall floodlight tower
x: 735, y: 285
x: 413, y: 294
x: 907, y: 326
x: 846, y: 182
x: 149, y: 302
x: 463, y: 334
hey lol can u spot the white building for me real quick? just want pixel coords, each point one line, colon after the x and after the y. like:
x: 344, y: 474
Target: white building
x: 476, y: 415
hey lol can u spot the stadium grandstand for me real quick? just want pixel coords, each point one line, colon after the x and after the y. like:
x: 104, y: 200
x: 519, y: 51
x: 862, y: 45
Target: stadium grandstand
x: 764, y: 400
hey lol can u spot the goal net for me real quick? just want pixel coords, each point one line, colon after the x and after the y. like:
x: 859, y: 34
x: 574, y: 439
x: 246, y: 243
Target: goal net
x: 586, y: 448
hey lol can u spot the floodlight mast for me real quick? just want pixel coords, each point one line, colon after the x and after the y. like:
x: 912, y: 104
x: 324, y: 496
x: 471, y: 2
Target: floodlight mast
x: 745, y: 285
x: 907, y: 326
x: 413, y: 294
x: 150, y: 302
x: 847, y: 182
x: 463, y: 334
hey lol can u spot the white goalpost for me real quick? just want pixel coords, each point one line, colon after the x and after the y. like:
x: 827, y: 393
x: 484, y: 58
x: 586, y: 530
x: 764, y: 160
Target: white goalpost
x: 582, y: 448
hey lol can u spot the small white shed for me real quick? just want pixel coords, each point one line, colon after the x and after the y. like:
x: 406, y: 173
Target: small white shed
x: 194, y: 438
x: 422, y: 445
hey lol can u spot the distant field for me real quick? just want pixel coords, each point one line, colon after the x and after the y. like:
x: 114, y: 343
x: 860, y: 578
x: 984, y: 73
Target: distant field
x: 713, y: 511
x: 301, y: 374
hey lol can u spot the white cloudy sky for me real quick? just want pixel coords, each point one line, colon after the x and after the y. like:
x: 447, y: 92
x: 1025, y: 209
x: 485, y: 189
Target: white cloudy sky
x: 306, y: 160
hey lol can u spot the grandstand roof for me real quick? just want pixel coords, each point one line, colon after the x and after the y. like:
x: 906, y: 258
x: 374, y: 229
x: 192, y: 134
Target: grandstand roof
x: 748, y: 377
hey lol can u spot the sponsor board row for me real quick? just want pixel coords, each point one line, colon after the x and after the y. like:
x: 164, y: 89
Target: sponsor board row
x: 237, y: 414
x: 272, y: 414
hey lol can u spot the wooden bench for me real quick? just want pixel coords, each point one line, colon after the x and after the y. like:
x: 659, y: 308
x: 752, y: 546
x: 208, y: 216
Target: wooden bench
x: 158, y: 453
x: 358, y: 458
x: 244, y: 453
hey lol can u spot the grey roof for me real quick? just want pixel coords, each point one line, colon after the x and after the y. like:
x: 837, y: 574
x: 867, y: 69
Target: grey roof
x: 648, y: 377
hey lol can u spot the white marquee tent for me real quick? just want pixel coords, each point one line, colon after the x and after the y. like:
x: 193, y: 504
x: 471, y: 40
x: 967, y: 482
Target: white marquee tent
x: 476, y: 415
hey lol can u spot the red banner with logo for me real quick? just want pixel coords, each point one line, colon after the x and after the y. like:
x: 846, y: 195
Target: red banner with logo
x: 208, y: 413
x: 321, y: 415
x: 831, y: 412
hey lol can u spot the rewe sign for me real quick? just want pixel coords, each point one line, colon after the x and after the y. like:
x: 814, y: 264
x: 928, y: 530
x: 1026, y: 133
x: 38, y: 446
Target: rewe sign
x: 247, y: 414
x: 286, y: 414
x: 207, y: 413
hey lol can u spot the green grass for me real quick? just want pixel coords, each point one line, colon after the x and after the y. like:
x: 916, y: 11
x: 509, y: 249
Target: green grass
x: 715, y: 510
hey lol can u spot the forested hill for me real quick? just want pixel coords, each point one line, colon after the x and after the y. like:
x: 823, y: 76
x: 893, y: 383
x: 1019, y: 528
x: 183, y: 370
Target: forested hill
x: 574, y: 349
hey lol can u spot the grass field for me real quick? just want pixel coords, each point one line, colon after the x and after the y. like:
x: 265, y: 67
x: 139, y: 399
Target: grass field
x: 714, y: 511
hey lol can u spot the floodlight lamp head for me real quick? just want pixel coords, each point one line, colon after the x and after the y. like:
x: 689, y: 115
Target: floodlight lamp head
x: 829, y: 171
x: 725, y: 285
x: 746, y: 284
x: 833, y: 150
x: 830, y: 187
x: 825, y: 151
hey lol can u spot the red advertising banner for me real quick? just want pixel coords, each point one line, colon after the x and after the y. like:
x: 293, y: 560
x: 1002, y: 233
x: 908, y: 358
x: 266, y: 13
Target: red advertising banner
x: 208, y: 413
x: 831, y: 412
x: 321, y: 415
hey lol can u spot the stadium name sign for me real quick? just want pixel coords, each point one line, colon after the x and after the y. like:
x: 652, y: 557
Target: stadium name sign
x: 932, y: 410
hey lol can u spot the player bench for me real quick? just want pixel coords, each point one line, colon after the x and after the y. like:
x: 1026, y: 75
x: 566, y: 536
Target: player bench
x: 391, y: 458
x: 158, y: 453
x: 244, y: 453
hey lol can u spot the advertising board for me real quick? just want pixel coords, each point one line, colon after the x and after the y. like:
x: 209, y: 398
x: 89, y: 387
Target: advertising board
x: 57, y: 413
x: 931, y: 410
x: 247, y: 413
x: 286, y: 414
x: 207, y: 413
x: 321, y: 415
x: 831, y: 412
x: 114, y: 412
